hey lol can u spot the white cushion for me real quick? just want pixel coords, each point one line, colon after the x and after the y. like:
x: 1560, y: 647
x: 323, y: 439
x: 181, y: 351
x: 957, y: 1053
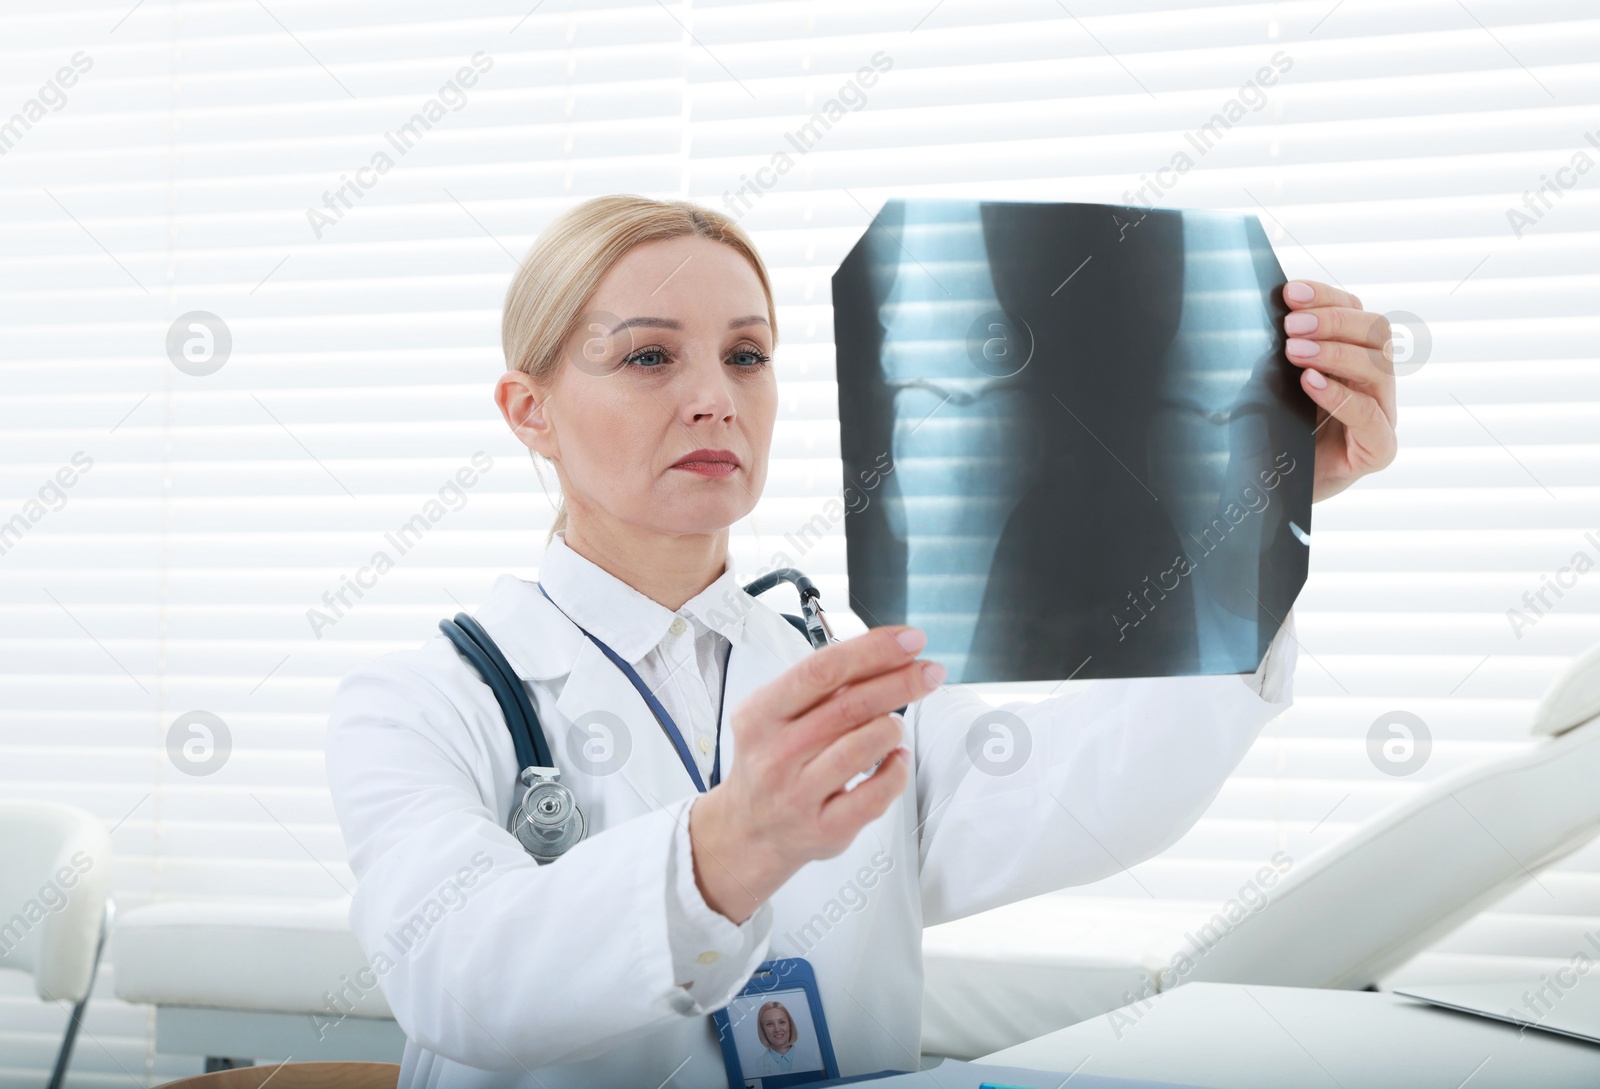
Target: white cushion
x: 296, y: 956
x: 1573, y: 698
x: 1019, y: 971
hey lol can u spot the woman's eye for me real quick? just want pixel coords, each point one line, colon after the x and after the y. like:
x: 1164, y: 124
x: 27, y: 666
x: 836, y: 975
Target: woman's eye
x: 754, y: 356
x: 644, y: 354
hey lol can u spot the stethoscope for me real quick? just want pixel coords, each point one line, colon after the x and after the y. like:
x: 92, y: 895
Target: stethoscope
x: 547, y: 821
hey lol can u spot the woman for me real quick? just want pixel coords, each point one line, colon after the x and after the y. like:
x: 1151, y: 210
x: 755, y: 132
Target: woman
x: 780, y: 1050
x: 639, y: 336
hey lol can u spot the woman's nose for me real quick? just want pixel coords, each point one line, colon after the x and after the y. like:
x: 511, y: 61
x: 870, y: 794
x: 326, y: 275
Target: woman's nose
x: 708, y: 390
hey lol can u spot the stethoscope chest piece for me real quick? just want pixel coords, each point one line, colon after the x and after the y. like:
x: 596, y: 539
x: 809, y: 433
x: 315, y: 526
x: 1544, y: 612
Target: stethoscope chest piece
x: 547, y: 822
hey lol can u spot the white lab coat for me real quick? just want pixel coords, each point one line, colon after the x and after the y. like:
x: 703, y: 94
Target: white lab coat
x: 560, y: 976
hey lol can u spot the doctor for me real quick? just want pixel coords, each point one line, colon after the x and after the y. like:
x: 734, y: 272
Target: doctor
x: 639, y: 336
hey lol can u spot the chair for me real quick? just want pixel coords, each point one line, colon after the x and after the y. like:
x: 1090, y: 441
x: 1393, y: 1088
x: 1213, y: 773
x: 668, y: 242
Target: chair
x: 1345, y: 918
x: 55, y: 907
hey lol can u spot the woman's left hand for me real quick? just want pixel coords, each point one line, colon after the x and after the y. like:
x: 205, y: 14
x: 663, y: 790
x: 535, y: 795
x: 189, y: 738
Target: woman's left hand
x: 1347, y: 368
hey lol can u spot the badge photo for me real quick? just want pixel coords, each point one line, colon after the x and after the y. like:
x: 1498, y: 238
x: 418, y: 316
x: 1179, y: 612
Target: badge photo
x: 773, y: 1034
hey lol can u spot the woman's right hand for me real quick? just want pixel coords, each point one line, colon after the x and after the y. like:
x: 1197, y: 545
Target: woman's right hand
x: 797, y: 740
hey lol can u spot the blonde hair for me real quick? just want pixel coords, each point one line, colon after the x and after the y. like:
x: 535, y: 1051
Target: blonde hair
x: 572, y: 255
x: 761, y: 1029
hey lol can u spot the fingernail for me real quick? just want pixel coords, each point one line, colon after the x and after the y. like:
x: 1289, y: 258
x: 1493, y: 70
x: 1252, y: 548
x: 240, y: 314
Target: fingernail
x: 934, y: 672
x: 912, y: 639
x: 1301, y: 321
x: 1307, y: 348
x: 1315, y: 379
x: 1299, y: 292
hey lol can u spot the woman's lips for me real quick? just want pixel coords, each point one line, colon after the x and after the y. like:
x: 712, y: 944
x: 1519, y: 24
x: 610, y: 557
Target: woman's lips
x: 709, y: 468
x: 711, y: 463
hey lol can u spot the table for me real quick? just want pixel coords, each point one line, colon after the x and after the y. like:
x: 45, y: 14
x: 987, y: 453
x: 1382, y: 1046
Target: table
x: 1232, y: 1036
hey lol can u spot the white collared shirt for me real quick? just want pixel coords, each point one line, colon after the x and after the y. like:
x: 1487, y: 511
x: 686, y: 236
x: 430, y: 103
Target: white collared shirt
x: 679, y: 655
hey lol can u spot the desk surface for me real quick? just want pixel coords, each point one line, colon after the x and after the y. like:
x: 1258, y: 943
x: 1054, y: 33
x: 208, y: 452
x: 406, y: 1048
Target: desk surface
x: 1248, y: 1037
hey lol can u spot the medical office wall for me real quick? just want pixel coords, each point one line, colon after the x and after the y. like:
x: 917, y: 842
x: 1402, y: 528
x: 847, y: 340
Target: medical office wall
x: 251, y: 263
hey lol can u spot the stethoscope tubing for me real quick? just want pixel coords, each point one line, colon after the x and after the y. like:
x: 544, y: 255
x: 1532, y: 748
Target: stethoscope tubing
x: 477, y: 647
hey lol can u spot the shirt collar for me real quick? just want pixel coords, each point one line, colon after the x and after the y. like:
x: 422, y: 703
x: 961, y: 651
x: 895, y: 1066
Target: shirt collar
x: 623, y: 618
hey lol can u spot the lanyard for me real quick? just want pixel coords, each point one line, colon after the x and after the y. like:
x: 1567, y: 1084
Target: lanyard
x: 662, y: 716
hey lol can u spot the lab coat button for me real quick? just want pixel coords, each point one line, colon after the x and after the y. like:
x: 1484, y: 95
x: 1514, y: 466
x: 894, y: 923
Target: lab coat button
x: 677, y: 627
x: 710, y: 956
x: 705, y: 743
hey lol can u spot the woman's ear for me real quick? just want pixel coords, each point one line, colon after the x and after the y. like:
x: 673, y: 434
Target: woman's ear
x: 525, y: 406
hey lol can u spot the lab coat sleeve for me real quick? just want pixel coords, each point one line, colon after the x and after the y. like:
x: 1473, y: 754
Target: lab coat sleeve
x: 712, y: 956
x: 484, y: 956
x: 1024, y: 799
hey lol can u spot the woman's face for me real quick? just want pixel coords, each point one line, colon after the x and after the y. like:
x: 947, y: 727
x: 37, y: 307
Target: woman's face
x: 778, y: 1028
x: 673, y: 356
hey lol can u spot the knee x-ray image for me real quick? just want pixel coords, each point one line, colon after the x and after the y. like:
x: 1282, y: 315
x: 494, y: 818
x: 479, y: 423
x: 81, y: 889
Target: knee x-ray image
x: 1072, y: 446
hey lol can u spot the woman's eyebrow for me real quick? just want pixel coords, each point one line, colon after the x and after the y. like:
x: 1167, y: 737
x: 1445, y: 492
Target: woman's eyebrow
x: 673, y: 323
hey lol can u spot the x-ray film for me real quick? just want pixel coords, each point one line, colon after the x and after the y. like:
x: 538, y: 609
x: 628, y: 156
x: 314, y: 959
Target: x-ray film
x: 1072, y: 445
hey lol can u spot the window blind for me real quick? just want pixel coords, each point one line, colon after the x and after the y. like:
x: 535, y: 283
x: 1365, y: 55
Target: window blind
x: 251, y: 265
